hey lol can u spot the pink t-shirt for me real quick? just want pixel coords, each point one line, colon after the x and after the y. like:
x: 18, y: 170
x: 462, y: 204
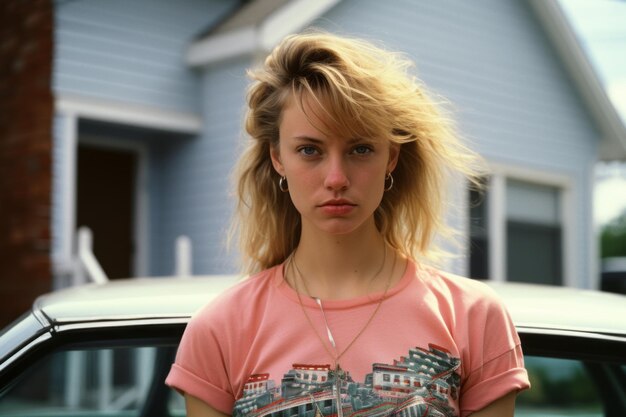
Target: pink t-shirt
x: 440, y: 345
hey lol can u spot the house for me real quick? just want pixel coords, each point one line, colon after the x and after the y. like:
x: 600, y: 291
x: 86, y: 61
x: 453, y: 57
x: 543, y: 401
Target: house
x: 149, y: 101
x: 122, y: 87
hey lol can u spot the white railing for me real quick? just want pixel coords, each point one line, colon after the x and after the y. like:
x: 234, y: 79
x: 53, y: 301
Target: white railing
x: 86, y: 266
x: 183, y: 257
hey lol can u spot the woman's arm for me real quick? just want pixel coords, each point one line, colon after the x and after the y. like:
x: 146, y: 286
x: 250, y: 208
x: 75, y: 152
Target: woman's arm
x: 198, y: 408
x: 502, y: 407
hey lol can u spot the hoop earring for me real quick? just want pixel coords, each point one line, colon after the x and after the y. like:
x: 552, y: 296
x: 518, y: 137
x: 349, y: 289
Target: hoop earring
x: 389, y: 178
x: 282, y: 184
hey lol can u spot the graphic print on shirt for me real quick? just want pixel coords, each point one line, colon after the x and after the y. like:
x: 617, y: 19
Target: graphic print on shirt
x: 424, y: 383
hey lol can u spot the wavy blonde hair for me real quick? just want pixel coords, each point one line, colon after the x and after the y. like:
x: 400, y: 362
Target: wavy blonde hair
x: 365, y: 90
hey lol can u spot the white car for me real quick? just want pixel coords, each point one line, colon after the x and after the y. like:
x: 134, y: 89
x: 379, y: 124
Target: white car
x: 104, y: 350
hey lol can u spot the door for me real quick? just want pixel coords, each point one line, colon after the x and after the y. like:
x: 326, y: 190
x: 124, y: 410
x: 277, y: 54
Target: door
x: 105, y: 202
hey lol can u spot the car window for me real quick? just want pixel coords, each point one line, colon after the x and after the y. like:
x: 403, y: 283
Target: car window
x: 561, y: 387
x: 128, y: 381
x: 121, y: 381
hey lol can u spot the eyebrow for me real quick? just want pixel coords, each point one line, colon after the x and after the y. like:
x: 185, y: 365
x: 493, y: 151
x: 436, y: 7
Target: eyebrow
x: 350, y: 141
x: 308, y: 139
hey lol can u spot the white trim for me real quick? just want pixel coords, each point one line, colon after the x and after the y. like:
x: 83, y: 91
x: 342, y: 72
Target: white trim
x: 571, y: 276
x: 593, y: 230
x: 223, y: 46
x: 141, y: 218
x: 263, y: 36
x: 125, y: 113
x: 68, y: 189
x: 497, y: 218
x: 291, y: 18
x: 531, y: 174
x: 461, y: 223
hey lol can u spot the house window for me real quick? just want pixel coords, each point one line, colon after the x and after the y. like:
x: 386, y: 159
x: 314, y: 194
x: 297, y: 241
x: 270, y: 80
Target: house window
x: 479, y: 236
x: 533, y: 230
x: 529, y: 229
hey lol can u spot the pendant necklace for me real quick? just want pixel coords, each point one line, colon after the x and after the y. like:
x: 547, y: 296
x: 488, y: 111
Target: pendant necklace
x: 340, y: 374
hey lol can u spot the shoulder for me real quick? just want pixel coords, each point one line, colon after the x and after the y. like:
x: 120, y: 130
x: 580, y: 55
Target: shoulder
x: 224, y: 325
x: 475, y: 314
x: 458, y: 288
x: 464, y: 298
x: 238, y: 299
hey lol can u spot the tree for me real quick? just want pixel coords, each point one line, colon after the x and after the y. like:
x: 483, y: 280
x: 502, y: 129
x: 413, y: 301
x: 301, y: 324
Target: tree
x: 613, y: 237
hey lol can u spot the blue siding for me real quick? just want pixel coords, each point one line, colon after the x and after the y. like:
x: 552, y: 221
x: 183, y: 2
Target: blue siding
x: 132, y: 51
x: 195, y: 191
x: 511, y: 96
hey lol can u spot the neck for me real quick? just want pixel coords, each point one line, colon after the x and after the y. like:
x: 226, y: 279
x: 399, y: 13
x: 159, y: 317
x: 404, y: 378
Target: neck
x: 343, y: 266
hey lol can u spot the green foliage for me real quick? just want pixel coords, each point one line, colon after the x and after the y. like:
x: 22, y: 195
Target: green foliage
x: 613, y: 238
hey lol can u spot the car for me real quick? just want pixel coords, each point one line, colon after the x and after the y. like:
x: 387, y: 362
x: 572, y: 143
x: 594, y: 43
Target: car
x: 105, y: 349
x: 613, y: 275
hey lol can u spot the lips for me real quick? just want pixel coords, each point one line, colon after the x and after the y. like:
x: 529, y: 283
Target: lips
x: 337, y: 207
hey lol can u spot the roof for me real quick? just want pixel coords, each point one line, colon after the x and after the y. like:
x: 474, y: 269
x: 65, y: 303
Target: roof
x: 259, y: 25
x: 560, y: 31
x: 533, y: 306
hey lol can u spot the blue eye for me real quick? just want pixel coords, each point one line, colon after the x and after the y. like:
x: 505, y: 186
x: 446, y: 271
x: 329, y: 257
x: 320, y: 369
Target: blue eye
x: 362, y: 150
x: 308, y: 150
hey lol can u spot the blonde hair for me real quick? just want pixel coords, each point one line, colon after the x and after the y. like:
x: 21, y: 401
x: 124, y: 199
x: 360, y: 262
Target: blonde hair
x: 366, y: 91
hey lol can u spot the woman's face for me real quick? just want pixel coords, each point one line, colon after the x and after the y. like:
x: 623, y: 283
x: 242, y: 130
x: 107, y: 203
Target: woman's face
x: 335, y: 182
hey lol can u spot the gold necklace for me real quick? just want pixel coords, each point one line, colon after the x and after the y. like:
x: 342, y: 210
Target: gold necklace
x: 336, y: 355
x: 339, y: 373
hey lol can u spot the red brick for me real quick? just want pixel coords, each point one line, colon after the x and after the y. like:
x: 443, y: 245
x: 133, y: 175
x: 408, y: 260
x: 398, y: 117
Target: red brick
x: 26, y: 106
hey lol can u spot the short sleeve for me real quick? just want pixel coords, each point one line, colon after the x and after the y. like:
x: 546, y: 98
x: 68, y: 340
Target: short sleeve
x: 496, y: 361
x: 199, y: 368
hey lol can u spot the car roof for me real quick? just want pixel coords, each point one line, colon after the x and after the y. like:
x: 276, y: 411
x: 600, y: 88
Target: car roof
x: 125, y: 299
x: 534, y: 306
x: 557, y: 307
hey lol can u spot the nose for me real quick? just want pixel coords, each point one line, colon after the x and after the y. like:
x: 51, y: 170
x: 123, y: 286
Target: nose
x: 336, y: 174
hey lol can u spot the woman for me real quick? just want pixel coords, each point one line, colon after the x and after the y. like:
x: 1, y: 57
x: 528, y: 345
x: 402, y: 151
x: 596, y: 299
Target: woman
x: 340, y: 192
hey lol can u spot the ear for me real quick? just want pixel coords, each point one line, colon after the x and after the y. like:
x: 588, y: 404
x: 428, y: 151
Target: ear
x: 394, y: 154
x: 276, y: 162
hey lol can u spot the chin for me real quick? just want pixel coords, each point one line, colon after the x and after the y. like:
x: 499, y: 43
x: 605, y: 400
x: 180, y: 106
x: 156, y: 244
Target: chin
x: 341, y: 227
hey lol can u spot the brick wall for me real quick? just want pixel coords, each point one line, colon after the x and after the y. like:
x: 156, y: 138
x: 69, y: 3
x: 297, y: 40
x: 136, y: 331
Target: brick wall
x: 26, y: 106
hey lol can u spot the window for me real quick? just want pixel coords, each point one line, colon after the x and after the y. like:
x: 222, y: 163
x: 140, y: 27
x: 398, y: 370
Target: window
x: 96, y: 382
x: 479, y: 236
x: 533, y: 230
x: 516, y: 230
x: 571, y: 387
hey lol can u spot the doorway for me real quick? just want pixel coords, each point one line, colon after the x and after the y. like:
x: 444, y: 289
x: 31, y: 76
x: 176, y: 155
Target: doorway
x: 105, y: 202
